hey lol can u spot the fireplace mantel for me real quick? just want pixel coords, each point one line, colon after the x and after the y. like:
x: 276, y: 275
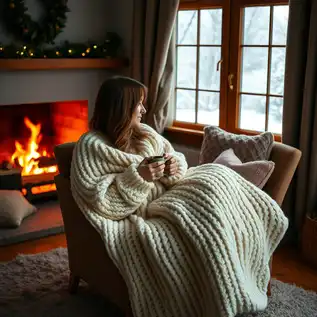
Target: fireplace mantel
x: 61, y: 63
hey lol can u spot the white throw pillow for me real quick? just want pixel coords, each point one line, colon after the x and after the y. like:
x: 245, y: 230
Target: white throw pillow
x: 256, y: 172
x: 13, y: 208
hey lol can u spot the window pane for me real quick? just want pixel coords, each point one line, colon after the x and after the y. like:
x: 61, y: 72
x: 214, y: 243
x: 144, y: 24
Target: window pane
x: 209, y: 77
x: 275, y: 115
x: 185, y: 105
x: 252, y: 112
x: 210, y: 26
x: 208, y: 108
x: 186, y: 67
x: 277, y: 71
x: 280, y: 22
x: 254, y: 69
x: 256, y: 26
x: 187, y: 27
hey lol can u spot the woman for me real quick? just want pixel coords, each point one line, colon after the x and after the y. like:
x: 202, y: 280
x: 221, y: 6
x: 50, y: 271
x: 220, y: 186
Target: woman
x: 121, y: 122
x: 191, y: 242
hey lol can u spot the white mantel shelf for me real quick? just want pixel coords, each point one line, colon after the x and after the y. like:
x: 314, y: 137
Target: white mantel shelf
x: 61, y: 63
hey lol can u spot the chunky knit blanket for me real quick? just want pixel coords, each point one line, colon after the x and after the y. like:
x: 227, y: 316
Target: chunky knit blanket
x: 196, y: 244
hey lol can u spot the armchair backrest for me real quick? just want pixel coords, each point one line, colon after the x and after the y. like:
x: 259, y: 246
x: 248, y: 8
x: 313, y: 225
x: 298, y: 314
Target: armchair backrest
x: 63, y: 154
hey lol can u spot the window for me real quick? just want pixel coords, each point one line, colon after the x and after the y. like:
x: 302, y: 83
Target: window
x: 198, y: 52
x: 230, y: 64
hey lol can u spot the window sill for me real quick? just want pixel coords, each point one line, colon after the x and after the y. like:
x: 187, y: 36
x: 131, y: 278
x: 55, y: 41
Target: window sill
x: 186, y: 136
x: 174, y: 129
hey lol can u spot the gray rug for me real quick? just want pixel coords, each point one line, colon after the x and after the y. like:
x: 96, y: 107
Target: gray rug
x: 36, y: 286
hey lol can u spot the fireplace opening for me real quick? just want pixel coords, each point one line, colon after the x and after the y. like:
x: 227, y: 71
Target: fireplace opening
x: 28, y: 135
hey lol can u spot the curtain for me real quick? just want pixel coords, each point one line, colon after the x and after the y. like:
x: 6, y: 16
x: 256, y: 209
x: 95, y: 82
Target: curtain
x: 153, y: 59
x: 300, y: 108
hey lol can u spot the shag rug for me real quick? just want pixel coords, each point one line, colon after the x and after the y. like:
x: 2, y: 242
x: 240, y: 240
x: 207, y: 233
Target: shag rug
x: 36, y: 286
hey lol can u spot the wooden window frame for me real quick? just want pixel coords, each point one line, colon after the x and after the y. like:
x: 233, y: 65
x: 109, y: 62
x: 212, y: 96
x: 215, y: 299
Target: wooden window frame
x: 235, y: 62
x: 232, y: 23
x: 200, y: 5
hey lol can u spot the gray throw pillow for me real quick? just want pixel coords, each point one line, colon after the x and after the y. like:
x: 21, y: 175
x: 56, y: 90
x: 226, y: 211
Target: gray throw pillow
x: 13, y: 208
x: 247, y: 148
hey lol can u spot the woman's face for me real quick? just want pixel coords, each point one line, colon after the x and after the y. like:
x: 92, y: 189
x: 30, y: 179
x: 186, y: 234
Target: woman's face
x: 138, y: 113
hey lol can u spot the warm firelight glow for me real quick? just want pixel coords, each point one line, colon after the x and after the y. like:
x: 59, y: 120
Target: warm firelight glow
x: 40, y: 189
x: 27, y: 157
x: 43, y: 189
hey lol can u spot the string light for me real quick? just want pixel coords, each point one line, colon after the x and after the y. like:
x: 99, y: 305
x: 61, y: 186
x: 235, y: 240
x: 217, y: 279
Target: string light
x: 34, y: 36
x: 107, y: 49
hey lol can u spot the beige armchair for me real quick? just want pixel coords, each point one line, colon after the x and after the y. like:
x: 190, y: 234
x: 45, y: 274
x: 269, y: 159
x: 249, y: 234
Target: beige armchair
x: 88, y: 259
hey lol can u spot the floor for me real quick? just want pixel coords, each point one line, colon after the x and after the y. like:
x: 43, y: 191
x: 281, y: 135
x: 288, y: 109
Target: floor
x: 47, y: 219
x: 287, y: 263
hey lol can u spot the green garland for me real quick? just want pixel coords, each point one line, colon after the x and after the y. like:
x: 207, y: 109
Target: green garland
x: 34, y: 35
x: 20, y: 24
x: 108, y: 48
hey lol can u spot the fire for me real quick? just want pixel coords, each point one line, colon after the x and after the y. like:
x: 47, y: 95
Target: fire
x: 28, y: 157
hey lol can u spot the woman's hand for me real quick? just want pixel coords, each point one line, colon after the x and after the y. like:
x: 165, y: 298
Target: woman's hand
x: 151, y: 171
x: 171, y: 166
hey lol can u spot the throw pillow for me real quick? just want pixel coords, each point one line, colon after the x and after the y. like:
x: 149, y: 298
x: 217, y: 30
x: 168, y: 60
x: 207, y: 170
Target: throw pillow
x: 256, y: 172
x: 247, y: 148
x: 13, y: 208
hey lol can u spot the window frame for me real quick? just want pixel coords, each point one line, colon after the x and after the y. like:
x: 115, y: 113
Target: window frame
x: 201, y: 5
x: 235, y: 62
x: 232, y: 23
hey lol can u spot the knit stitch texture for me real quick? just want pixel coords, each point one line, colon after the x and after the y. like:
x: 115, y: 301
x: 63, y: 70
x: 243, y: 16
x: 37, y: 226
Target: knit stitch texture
x: 196, y: 244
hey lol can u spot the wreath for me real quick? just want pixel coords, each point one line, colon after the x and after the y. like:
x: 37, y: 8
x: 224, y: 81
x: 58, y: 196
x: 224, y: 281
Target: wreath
x: 20, y: 24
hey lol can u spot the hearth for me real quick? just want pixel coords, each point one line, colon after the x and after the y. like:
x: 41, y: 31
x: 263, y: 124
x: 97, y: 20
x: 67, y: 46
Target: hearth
x: 28, y: 134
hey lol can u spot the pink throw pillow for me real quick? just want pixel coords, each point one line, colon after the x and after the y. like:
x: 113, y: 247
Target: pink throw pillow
x: 256, y: 172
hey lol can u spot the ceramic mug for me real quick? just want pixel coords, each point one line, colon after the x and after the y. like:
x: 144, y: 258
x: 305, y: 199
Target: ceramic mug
x: 154, y: 159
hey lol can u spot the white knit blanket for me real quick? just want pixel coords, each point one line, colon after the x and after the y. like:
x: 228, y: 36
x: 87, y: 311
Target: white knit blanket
x: 197, y: 244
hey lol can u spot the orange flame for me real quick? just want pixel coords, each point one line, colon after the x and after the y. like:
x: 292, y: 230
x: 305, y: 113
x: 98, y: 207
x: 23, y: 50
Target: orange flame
x: 27, y: 157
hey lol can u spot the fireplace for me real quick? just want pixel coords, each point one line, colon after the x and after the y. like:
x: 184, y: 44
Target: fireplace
x: 28, y: 134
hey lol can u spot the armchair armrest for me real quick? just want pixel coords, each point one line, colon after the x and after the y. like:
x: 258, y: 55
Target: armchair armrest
x: 286, y: 159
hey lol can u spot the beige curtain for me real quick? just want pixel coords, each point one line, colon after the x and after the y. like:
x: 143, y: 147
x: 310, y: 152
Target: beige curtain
x: 153, y: 61
x: 300, y: 107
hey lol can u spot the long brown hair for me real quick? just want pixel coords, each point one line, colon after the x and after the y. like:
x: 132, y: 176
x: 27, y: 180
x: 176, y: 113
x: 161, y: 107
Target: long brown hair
x: 115, y: 104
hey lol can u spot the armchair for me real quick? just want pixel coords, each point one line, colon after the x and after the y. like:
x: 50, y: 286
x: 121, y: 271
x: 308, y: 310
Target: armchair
x: 88, y: 259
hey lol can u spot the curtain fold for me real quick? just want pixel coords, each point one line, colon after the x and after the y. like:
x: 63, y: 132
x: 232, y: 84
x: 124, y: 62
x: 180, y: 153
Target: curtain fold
x: 153, y: 58
x: 300, y: 108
